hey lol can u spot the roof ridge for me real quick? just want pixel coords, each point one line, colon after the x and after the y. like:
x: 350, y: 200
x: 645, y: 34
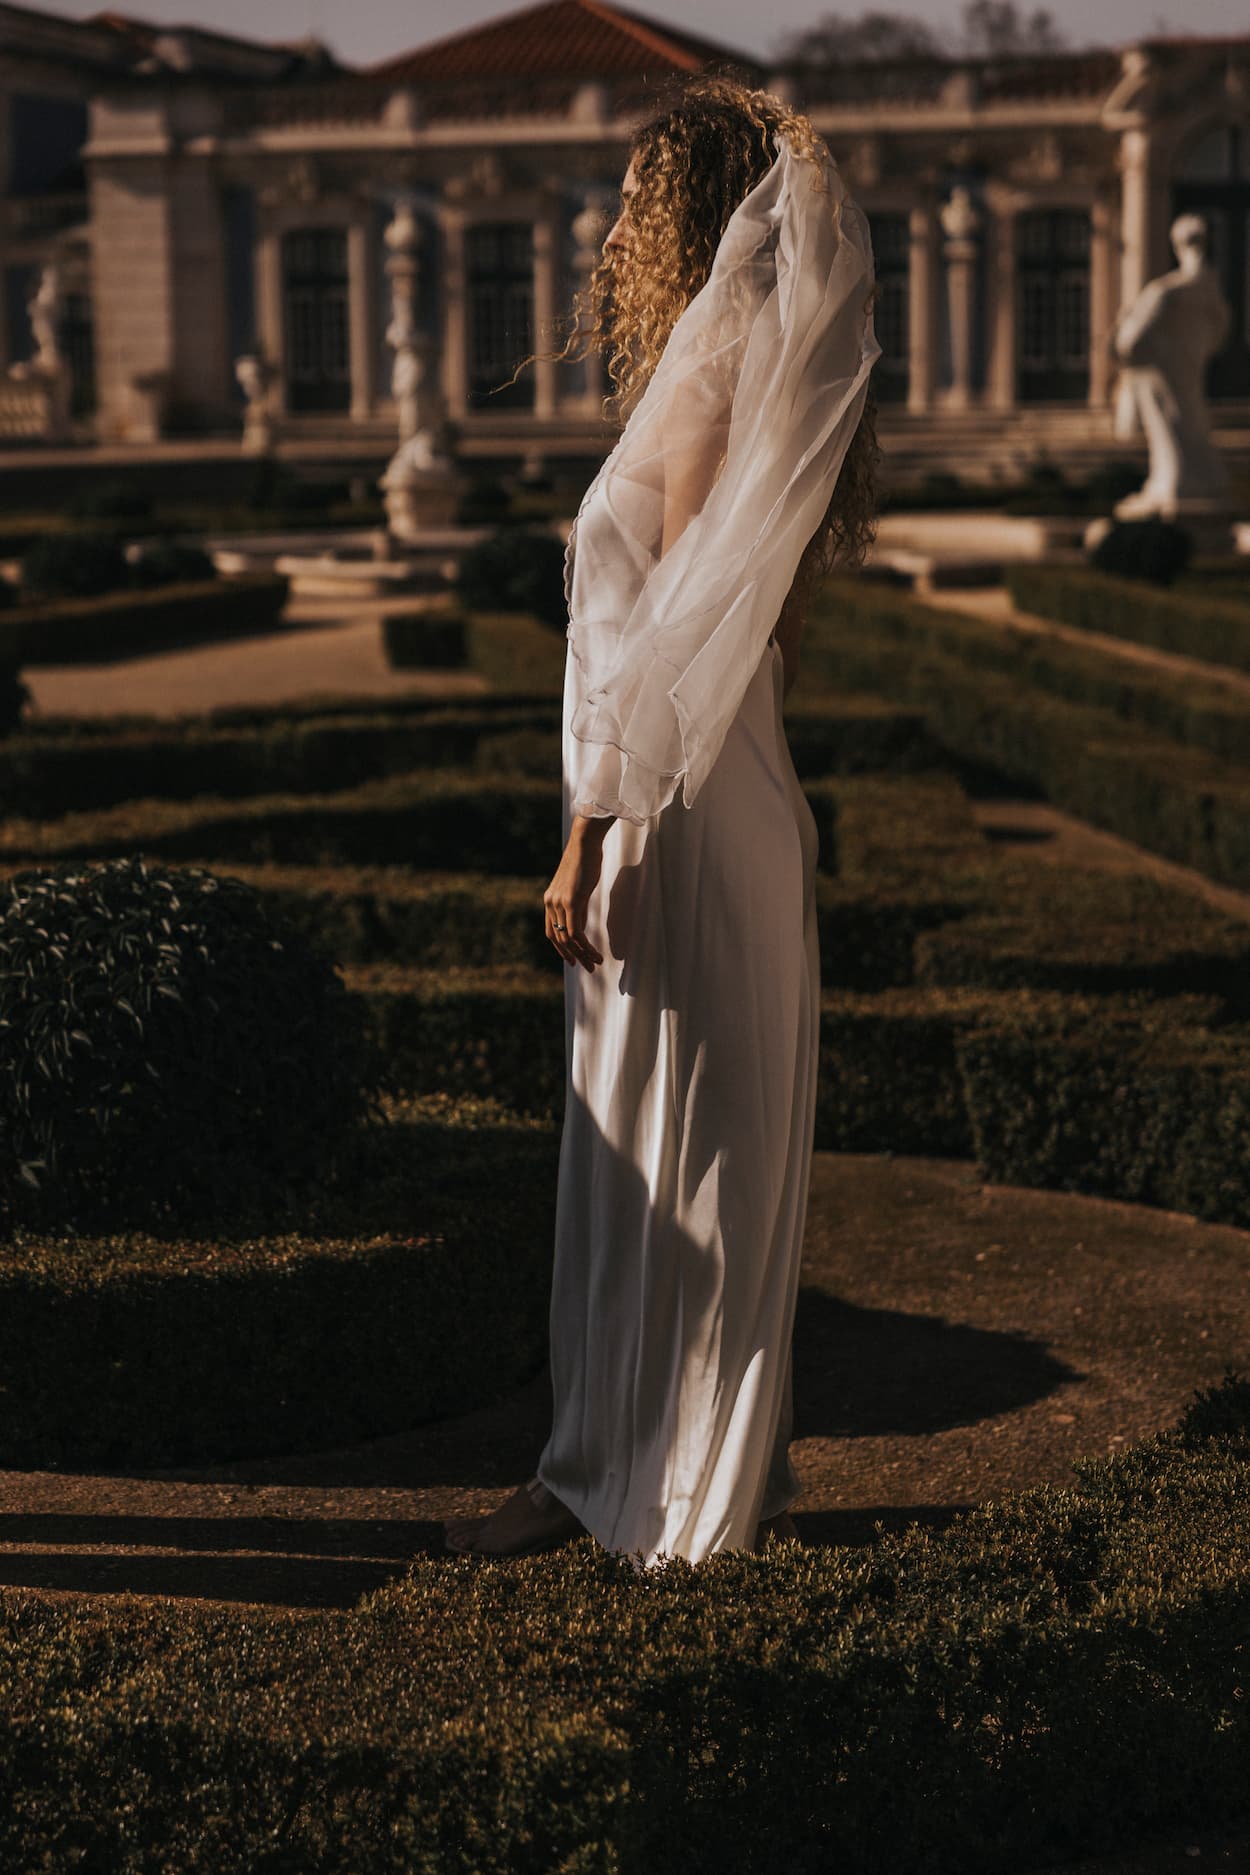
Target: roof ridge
x: 652, y: 37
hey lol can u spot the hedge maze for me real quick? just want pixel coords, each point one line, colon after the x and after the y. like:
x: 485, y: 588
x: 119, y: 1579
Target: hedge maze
x: 913, y: 1704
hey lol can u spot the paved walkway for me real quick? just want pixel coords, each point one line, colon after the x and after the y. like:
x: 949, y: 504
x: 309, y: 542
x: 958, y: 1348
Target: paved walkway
x: 326, y: 648
x: 955, y: 1341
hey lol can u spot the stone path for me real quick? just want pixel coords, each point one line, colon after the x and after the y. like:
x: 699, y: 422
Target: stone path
x: 955, y: 1341
x: 325, y: 648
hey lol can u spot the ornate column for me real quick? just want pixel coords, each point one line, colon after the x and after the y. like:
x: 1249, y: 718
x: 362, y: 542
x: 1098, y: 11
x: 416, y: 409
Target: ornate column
x: 421, y: 485
x: 1135, y: 258
x: 589, y: 228
x: 960, y: 225
x: 455, y: 316
x: 360, y: 320
x: 922, y: 308
x: 1102, y: 302
x: 546, y: 259
x: 1002, y: 371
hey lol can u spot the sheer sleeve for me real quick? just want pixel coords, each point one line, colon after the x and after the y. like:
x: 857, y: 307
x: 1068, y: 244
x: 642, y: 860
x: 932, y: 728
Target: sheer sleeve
x: 692, y: 540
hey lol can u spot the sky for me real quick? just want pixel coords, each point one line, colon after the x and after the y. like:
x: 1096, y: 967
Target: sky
x: 364, y: 31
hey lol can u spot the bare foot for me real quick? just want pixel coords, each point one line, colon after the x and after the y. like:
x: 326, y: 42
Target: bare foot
x: 532, y: 1520
x: 782, y: 1525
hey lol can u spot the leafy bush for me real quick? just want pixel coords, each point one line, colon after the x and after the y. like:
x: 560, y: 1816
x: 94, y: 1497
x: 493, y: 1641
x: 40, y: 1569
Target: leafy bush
x: 172, y: 1048
x: 108, y: 501
x: 1150, y: 549
x: 485, y: 504
x: 1049, y: 1675
x: 515, y: 569
x: 168, y: 561
x: 14, y: 696
x: 77, y: 566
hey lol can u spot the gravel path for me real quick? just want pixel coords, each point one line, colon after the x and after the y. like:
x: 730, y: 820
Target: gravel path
x: 955, y: 1341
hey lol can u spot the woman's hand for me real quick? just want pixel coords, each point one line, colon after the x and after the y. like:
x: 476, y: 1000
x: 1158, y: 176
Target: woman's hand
x: 567, y: 898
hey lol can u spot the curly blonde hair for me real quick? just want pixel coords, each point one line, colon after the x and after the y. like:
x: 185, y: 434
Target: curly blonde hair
x: 694, y: 161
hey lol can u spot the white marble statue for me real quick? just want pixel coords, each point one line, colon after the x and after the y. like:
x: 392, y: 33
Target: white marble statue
x: 1164, y: 341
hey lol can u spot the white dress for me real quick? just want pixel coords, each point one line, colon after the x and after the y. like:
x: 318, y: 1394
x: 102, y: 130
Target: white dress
x: 685, y: 1155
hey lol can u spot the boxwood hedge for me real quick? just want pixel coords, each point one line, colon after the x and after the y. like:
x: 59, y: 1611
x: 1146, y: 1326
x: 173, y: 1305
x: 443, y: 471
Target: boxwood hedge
x: 1060, y: 1670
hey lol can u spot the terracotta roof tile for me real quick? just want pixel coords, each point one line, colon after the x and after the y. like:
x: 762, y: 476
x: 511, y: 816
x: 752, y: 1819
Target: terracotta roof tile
x: 558, y: 38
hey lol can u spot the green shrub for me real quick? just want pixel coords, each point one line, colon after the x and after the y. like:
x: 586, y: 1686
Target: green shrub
x: 515, y: 569
x: 414, y: 1286
x: 128, y: 622
x: 1139, y: 1104
x: 486, y: 503
x: 424, y: 640
x: 515, y: 653
x: 1214, y: 629
x: 1174, y: 801
x: 168, y: 561
x: 108, y: 501
x: 14, y: 696
x: 64, y: 566
x: 1049, y: 1675
x: 1150, y: 549
x: 172, y: 1049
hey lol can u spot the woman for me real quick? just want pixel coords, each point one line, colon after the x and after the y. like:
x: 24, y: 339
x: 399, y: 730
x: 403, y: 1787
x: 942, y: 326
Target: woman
x: 734, y: 298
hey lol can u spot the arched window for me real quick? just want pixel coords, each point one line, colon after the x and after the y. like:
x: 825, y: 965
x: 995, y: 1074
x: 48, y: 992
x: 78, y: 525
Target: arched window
x: 1052, y: 306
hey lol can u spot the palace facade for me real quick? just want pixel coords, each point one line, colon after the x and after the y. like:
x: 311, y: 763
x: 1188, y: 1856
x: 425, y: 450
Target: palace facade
x: 204, y: 197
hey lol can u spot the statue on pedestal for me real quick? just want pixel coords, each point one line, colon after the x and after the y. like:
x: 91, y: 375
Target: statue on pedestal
x: 421, y: 487
x: 1164, y: 341
x: 257, y: 378
x: 46, y: 375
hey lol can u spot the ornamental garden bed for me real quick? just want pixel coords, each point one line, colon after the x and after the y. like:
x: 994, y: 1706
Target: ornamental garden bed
x: 1206, y: 619
x: 1150, y: 757
x: 914, y: 1703
x: 1069, y: 1029
x: 1053, y: 1672
x: 135, y: 621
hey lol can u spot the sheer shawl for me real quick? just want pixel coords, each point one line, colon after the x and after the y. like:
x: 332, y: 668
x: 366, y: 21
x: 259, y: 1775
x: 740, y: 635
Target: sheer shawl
x: 690, y: 536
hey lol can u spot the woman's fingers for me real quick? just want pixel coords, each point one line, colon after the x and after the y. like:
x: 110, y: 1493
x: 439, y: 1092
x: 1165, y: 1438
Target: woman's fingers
x: 571, y: 941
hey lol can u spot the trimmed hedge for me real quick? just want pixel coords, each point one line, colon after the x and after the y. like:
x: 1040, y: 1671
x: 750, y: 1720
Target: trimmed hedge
x: 129, y: 623
x: 1215, y: 630
x: 1177, y: 802
x: 415, y: 1286
x: 1196, y: 710
x: 956, y: 1072
x: 49, y: 770
x: 913, y: 1704
x: 434, y: 819
x: 53, y: 767
x: 433, y: 639
x: 1138, y: 1105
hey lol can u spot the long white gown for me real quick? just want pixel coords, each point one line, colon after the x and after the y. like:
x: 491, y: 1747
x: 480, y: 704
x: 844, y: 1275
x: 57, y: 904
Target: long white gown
x: 685, y: 1156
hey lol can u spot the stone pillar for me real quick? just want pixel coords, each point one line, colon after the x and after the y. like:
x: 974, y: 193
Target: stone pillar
x: 455, y: 316
x: 589, y: 228
x: 1102, y: 303
x: 269, y: 323
x: 546, y: 294
x: 360, y: 320
x: 1135, y: 215
x: 960, y: 226
x: 1002, y: 371
x: 922, y: 308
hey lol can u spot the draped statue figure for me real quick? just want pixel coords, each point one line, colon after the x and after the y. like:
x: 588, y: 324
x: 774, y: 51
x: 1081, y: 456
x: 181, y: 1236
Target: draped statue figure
x: 1164, y: 342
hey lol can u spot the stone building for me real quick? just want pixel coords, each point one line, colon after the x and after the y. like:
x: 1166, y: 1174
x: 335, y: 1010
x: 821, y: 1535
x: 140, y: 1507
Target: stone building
x: 206, y: 196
